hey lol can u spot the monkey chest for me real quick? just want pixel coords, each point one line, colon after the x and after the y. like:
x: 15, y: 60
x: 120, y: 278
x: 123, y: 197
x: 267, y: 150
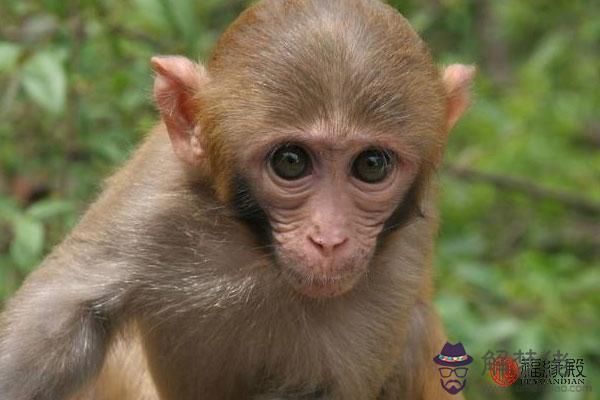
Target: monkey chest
x: 241, y: 356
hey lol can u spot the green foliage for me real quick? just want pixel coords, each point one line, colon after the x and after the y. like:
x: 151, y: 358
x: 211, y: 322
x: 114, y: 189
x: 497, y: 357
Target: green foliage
x: 517, y: 269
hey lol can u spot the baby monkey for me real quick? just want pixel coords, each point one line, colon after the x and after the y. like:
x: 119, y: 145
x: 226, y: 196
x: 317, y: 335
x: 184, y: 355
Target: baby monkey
x: 272, y: 238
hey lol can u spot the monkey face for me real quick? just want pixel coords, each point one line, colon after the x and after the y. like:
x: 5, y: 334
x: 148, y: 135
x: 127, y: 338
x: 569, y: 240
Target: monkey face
x: 326, y: 199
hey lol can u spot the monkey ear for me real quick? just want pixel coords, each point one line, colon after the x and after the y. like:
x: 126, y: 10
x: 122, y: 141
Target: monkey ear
x: 457, y: 80
x: 177, y: 82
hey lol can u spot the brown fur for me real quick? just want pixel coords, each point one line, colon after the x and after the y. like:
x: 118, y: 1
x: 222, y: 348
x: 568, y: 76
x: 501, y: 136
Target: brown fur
x: 163, y: 278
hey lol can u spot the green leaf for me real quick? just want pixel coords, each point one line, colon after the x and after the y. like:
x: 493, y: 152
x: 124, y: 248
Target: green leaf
x: 151, y: 12
x: 45, y: 81
x: 9, y: 54
x: 184, y: 14
x: 28, y: 244
x: 45, y: 209
x: 9, y: 209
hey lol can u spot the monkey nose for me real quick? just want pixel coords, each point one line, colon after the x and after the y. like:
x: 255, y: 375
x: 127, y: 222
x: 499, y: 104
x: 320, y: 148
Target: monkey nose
x: 327, y: 245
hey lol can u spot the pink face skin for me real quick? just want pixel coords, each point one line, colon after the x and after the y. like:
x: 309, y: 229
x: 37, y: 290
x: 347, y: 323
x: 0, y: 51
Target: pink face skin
x: 325, y: 224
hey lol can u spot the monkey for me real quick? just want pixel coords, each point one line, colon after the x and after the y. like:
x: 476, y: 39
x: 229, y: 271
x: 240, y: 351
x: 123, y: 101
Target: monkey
x: 271, y: 238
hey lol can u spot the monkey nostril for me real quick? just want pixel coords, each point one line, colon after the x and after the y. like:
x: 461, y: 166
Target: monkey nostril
x: 317, y: 243
x: 327, y: 246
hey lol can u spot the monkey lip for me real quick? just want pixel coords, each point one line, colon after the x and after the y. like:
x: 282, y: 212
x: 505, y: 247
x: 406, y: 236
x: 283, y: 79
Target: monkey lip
x: 321, y: 287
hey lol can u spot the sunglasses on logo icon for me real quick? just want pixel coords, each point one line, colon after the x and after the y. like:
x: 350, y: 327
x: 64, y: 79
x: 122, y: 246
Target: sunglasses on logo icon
x: 459, y: 372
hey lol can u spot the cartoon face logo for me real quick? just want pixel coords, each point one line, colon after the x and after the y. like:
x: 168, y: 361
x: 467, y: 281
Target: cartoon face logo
x: 453, y: 373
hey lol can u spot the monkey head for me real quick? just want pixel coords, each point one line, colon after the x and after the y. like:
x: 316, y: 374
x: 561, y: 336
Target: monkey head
x: 318, y: 128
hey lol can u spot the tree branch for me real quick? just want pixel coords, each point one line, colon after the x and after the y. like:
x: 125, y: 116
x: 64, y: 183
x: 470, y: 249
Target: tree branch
x: 531, y: 189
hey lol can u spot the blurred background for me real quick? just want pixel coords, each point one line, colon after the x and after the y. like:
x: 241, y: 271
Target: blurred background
x: 518, y: 260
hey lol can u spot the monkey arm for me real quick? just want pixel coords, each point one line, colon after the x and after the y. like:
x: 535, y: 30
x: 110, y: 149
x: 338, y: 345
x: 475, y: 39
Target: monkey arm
x: 55, y: 332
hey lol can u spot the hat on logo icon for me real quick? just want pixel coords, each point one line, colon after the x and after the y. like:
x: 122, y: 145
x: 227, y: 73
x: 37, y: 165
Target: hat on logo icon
x: 453, y: 355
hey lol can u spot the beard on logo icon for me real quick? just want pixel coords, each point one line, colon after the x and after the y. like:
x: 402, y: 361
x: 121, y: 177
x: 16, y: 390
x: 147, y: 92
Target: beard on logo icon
x: 453, y: 386
x: 453, y: 361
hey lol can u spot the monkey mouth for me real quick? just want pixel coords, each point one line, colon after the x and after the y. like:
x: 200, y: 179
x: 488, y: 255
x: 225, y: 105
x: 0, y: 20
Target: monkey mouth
x: 320, y: 287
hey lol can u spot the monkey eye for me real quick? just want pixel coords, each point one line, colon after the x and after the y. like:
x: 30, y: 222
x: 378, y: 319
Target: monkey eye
x: 372, y: 165
x: 290, y: 162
